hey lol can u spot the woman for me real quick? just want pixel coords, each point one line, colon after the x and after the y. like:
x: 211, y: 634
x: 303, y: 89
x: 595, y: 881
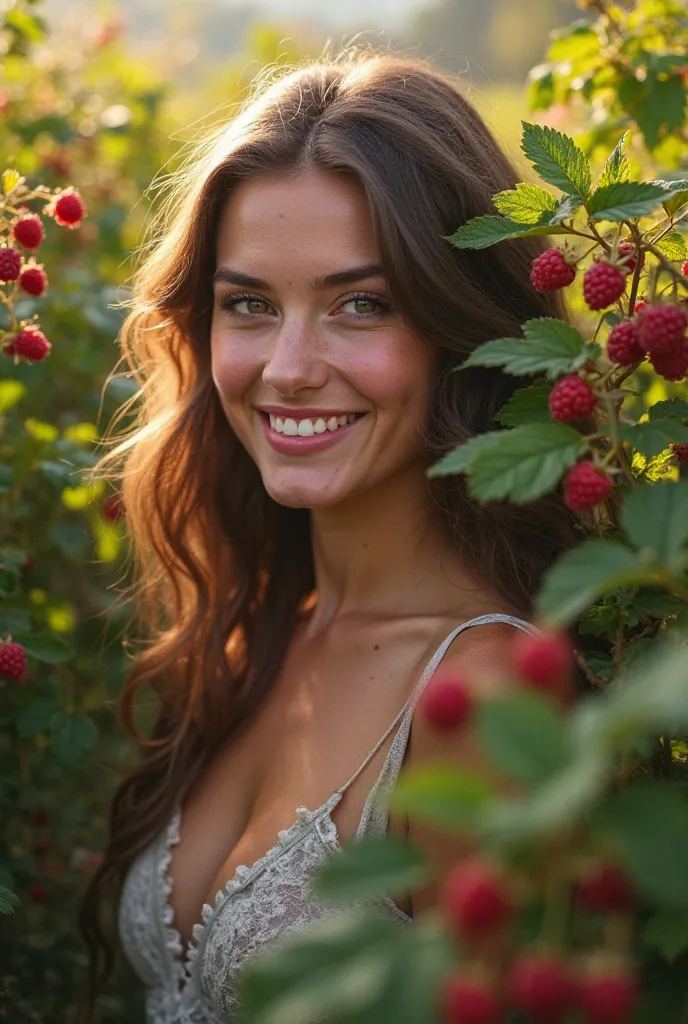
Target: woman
x: 295, y: 329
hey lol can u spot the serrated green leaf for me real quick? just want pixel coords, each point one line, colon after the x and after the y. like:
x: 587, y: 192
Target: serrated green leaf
x: 46, y: 647
x: 556, y: 158
x: 446, y: 794
x: 583, y: 575
x: 528, y: 463
x: 616, y: 168
x: 527, y: 405
x: 673, y: 245
x: 481, y: 232
x: 655, y: 520
x: 71, y: 736
x: 667, y: 932
x: 624, y: 200
x: 676, y: 408
x: 8, y: 901
x: 523, y: 736
x: 566, y: 209
x: 525, y: 204
x: 550, y: 345
x: 460, y: 459
x: 653, y: 437
x: 373, y: 866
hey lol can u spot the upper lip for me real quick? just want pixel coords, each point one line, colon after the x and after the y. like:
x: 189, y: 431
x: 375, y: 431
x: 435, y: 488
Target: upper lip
x: 306, y: 413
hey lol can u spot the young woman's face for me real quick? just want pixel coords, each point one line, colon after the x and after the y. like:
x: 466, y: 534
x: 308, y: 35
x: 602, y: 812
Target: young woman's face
x: 319, y: 376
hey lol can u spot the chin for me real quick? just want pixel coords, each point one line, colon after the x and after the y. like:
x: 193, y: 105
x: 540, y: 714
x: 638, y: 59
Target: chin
x: 299, y: 496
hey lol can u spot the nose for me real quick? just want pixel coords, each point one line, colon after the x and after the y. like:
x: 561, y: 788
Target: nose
x: 295, y: 361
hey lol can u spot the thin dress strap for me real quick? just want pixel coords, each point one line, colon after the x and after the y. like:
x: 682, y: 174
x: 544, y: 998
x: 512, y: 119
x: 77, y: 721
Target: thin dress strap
x: 374, y: 817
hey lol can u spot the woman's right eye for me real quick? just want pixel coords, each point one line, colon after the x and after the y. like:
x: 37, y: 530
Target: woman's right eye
x: 230, y: 302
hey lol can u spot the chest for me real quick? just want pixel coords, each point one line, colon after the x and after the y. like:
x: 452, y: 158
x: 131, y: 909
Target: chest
x: 335, y: 699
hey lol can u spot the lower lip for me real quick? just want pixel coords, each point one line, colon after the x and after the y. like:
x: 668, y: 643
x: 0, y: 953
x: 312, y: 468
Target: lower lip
x: 289, y: 445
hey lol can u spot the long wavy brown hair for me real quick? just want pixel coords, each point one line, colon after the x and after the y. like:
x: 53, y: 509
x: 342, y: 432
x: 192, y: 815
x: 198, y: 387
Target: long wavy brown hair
x: 221, y: 571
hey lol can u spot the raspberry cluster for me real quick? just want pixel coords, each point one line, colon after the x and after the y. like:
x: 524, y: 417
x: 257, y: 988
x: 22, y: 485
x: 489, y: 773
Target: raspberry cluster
x: 658, y: 331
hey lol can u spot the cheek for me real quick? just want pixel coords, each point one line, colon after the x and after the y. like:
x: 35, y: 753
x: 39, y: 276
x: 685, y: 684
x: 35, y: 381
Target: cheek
x: 234, y: 369
x: 394, y: 372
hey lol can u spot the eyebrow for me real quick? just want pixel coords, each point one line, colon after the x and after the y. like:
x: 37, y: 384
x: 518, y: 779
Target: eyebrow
x: 228, y: 275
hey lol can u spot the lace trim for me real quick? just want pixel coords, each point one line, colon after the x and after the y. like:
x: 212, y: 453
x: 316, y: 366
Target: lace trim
x: 172, y: 937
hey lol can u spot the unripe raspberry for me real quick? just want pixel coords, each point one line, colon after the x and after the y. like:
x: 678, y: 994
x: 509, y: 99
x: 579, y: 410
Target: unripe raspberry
x: 550, y: 271
x: 672, y: 365
x: 466, y: 1001
x: 608, y: 996
x: 32, y: 344
x: 28, y: 231
x: 33, y: 280
x: 446, y: 702
x: 545, y: 661
x: 37, y: 893
x: 603, y: 284
x: 571, y: 399
x: 541, y: 986
x: 10, y: 264
x: 625, y: 249
x: 606, y: 889
x: 661, y: 329
x: 69, y: 209
x: 585, y: 486
x: 680, y: 452
x: 12, y: 661
x: 476, y: 899
x: 624, y: 345
x: 113, y: 508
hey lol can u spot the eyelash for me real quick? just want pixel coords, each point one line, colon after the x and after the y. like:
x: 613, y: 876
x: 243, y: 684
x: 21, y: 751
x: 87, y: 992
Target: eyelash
x: 230, y: 301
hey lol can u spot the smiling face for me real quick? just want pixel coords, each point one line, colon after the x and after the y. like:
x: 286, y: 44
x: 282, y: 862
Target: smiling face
x: 318, y: 374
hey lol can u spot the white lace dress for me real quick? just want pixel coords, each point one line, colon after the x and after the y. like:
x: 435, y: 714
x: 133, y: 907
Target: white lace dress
x: 260, y: 903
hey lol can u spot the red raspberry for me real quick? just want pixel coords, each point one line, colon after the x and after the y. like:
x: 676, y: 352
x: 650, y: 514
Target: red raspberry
x: 476, y: 899
x: 8, y: 349
x: 37, y: 893
x: 541, y: 986
x: 543, y: 661
x: 585, y: 486
x: 661, y: 329
x: 606, y: 888
x: 467, y: 1001
x: 28, y: 231
x: 624, y: 345
x: 32, y: 344
x: 70, y: 209
x: 12, y: 661
x: 639, y: 305
x: 571, y: 399
x: 446, y: 702
x: 625, y: 249
x: 672, y: 365
x: 10, y: 264
x: 113, y: 508
x: 602, y: 285
x: 681, y: 453
x: 550, y: 271
x: 684, y: 268
x: 33, y: 280
x: 608, y: 996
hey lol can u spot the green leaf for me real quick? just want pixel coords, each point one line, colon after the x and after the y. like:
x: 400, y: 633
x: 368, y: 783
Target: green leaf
x: 525, y: 204
x: 675, y: 408
x: 625, y: 200
x: 528, y: 462
x: 372, y: 866
x: 673, y: 245
x: 527, y: 405
x: 616, y: 168
x: 566, y: 209
x: 556, y: 158
x: 550, y: 345
x: 36, y: 717
x: 11, y: 392
x: 524, y: 736
x: 481, y: 232
x: 649, y: 825
x: 655, y: 520
x: 653, y: 437
x: 46, y: 647
x: 583, y: 575
x: 659, y: 105
x: 71, y: 736
x: 667, y: 932
x: 9, y: 582
x: 460, y: 459
x: 573, y: 42
x: 8, y: 901
x: 540, y: 87
x: 447, y: 794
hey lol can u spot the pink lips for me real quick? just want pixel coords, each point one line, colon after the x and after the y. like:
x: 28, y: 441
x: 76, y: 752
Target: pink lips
x: 304, y: 445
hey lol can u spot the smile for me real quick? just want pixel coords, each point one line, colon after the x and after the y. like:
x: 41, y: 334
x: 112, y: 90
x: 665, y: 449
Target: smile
x: 308, y: 434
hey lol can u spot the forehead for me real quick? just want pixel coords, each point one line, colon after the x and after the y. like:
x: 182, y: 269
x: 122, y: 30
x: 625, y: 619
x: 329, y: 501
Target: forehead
x: 320, y: 215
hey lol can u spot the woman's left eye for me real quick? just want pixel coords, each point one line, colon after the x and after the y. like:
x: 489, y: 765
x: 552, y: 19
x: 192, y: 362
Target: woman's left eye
x: 380, y: 305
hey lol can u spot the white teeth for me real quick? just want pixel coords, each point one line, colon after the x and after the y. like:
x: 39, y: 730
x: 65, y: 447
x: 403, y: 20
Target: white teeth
x: 279, y: 425
x: 320, y: 426
x: 342, y: 420
x: 332, y: 423
x: 351, y: 417
x: 305, y: 428
x: 290, y: 428
x: 308, y: 427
